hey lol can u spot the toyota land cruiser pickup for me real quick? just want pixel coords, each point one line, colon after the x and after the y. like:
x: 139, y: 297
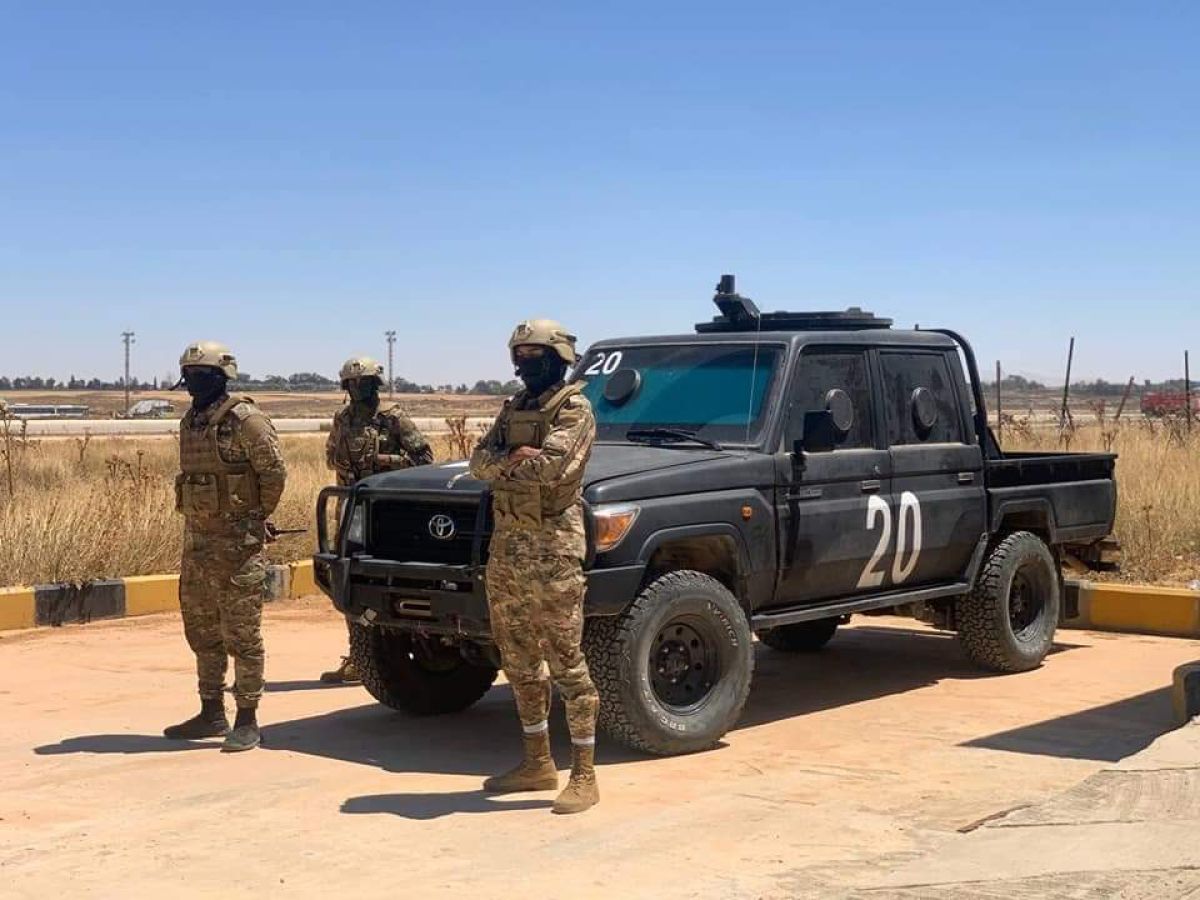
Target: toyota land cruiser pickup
x: 771, y: 474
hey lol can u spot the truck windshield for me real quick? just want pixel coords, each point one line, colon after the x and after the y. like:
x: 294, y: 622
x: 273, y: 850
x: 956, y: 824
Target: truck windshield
x: 713, y: 390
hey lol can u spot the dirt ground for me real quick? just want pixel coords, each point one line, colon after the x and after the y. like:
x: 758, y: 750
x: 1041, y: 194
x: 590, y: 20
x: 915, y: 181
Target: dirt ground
x: 105, y: 404
x: 851, y: 760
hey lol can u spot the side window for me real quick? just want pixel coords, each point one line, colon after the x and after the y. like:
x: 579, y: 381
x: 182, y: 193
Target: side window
x: 919, y: 398
x: 822, y: 372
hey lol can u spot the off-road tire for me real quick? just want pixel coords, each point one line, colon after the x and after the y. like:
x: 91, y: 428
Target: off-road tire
x: 391, y: 666
x: 618, y: 650
x: 801, y: 637
x: 985, y: 626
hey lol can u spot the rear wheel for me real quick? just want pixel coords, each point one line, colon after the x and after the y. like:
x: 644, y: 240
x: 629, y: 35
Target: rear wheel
x: 415, y: 674
x: 1007, y: 622
x: 802, y: 637
x: 674, y: 669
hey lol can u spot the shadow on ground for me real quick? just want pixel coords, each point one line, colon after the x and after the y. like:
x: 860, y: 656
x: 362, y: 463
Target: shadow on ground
x: 122, y: 743
x: 1106, y: 733
x: 309, y: 684
x: 434, y: 806
x: 859, y: 664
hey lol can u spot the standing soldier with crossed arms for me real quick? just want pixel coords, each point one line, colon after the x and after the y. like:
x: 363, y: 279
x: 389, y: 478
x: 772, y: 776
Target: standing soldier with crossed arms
x: 366, y: 439
x: 534, y: 456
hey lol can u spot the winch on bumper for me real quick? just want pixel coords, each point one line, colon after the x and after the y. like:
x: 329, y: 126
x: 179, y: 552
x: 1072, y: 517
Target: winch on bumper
x: 416, y: 560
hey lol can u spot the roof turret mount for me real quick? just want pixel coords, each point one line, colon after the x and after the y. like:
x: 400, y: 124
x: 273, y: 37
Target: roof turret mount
x: 739, y: 314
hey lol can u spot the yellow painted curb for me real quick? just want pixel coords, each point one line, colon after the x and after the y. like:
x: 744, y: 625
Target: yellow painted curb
x: 1149, y: 610
x: 18, y: 609
x: 303, y: 582
x: 145, y: 594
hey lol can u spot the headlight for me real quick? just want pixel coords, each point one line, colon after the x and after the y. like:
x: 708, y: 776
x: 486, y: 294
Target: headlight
x: 612, y: 524
x: 356, y: 532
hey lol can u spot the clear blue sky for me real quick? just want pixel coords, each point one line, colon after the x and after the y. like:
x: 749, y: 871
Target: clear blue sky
x: 296, y: 178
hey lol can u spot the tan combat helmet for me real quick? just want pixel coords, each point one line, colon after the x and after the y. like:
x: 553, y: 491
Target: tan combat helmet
x: 544, y: 333
x: 361, y: 367
x: 211, y: 354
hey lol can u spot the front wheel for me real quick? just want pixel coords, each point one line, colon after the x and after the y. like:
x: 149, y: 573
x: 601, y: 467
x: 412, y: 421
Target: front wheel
x: 1007, y: 622
x: 414, y: 674
x: 673, y: 671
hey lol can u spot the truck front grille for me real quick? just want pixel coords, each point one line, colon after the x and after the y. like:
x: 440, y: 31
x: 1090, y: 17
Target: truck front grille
x: 419, y: 531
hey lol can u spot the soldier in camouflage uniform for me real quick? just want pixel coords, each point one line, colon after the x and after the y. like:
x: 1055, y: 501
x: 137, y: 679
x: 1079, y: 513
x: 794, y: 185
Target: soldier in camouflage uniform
x: 366, y: 439
x: 534, y: 456
x: 231, y: 480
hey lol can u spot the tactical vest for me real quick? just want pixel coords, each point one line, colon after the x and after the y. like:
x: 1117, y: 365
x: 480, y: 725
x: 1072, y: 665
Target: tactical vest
x: 525, y: 503
x: 359, y: 443
x: 209, y: 485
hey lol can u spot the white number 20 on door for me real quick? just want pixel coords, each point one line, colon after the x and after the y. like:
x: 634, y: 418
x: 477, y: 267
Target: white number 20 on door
x: 908, y: 539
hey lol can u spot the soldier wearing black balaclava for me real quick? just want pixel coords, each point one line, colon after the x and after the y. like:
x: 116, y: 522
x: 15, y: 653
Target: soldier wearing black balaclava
x: 534, y: 457
x: 368, y: 437
x: 232, y: 476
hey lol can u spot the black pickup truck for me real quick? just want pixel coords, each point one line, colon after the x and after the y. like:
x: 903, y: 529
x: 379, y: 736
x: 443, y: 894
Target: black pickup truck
x: 770, y: 474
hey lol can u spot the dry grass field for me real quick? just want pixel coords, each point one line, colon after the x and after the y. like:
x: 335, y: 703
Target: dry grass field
x: 104, y: 507
x: 97, y: 508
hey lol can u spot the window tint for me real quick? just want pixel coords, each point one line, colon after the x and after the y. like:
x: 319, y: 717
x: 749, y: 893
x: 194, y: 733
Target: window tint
x: 819, y: 374
x: 904, y: 374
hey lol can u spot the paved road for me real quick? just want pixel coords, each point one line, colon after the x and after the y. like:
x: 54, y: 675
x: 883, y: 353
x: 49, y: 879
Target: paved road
x: 68, y: 427
x: 848, y: 767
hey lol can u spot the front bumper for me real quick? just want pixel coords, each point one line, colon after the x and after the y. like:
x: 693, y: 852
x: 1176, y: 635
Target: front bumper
x: 431, y: 598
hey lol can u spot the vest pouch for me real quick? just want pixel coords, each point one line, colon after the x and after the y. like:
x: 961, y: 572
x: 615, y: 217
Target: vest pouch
x: 517, y: 503
x: 243, y: 492
x: 198, y: 495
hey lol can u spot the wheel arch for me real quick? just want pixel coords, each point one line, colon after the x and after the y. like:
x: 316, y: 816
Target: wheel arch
x: 1034, y: 514
x: 716, y: 549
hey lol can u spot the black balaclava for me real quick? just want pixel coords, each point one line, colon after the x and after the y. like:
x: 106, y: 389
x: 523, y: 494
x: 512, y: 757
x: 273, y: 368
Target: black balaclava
x: 363, y: 392
x: 542, y: 373
x: 205, y: 384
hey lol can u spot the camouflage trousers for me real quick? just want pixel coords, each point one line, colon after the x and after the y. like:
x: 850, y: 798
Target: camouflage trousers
x: 535, y: 598
x: 222, y: 584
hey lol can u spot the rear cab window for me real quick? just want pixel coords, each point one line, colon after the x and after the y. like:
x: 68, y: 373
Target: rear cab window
x: 920, y: 400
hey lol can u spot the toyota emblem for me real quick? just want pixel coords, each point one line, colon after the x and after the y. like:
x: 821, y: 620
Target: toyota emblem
x: 442, y: 527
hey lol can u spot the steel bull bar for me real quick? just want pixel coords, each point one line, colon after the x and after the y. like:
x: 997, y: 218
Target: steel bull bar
x: 430, y: 597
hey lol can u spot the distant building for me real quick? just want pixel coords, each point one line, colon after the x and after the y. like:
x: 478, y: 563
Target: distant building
x: 46, y: 411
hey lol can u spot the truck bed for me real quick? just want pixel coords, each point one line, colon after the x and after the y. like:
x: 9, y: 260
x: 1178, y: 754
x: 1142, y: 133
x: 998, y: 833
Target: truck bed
x: 1015, y: 469
x: 1073, y: 492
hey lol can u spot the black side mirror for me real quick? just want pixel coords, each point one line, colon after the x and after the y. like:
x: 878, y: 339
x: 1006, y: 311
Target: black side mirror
x: 820, y: 433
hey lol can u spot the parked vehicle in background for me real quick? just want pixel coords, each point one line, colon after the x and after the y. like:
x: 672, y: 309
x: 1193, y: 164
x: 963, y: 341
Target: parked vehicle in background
x: 1169, y: 403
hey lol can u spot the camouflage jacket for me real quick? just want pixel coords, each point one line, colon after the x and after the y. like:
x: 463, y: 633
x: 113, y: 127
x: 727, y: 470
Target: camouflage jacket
x: 362, y: 444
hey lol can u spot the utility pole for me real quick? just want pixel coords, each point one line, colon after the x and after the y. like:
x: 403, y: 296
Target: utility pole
x: 391, y: 339
x: 1065, y: 414
x: 1187, y: 390
x: 127, y: 337
x: 999, y: 408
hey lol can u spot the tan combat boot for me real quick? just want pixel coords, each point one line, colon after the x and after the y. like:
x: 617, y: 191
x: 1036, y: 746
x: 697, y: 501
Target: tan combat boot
x: 535, y: 772
x: 346, y: 673
x: 581, y: 792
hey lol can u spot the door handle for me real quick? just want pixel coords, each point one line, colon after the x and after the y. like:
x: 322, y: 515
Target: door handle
x: 869, y: 487
x: 966, y: 477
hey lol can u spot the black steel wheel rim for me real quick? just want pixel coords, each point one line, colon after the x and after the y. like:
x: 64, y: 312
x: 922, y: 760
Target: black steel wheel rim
x: 685, y: 663
x: 1026, y: 601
